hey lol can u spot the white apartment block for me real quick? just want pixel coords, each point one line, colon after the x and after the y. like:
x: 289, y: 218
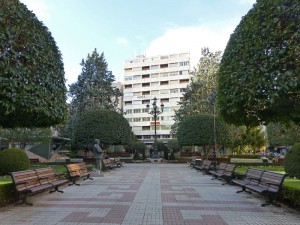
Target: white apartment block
x: 164, y: 77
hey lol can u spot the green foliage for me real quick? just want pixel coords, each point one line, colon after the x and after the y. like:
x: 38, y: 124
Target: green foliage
x: 291, y: 161
x: 173, y: 145
x: 32, y: 83
x: 13, y: 159
x: 258, y: 80
x: 172, y: 156
x: 282, y: 135
x: 166, y: 154
x: 25, y: 136
x: 160, y: 145
x: 136, y: 156
x: 255, y: 138
x: 93, y: 89
x: 244, y: 156
x: 108, y: 126
x: 198, y: 130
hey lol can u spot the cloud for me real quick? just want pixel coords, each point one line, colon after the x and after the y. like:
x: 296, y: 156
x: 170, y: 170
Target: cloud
x: 191, y: 39
x: 39, y: 7
x: 122, y: 41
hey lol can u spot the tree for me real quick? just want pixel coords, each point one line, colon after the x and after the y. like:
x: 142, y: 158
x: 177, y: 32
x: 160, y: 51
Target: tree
x: 140, y: 147
x: 255, y: 138
x: 173, y: 145
x: 196, y: 99
x: 24, y: 136
x: 198, y: 130
x: 283, y: 135
x: 32, y: 83
x: 258, y: 80
x: 108, y: 126
x: 93, y: 89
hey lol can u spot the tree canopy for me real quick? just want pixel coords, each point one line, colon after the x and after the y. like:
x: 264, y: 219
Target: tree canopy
x: 32, y: 83
x: 108, y: 126
x: 93, y: 89
x: 282, y: 135
x: 198, y: 130
x: 259, y: 72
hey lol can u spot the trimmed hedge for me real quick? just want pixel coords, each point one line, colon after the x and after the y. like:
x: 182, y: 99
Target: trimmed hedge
x: 13, y: 159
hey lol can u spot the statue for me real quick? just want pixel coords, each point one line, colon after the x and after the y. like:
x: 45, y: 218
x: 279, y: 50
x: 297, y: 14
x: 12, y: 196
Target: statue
x: 98, y: 155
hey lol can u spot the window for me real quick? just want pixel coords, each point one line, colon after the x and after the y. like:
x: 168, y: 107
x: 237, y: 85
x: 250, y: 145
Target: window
x: 165, y: 91
x: 145, y: 110
x: 183, y: 72
x: 156, y: 92
x: 145, y: 76
x: 136, y: 110
x: 162, y: 66
x: 128, y: 94
x: 128, y: 69
x: 147, y: 137
x: 173, y: 65
x: 136, y: 68
x: 164, y: 74
x: 165, y: 136
x: 127, y: 86
x: 174, y: 73
x: 145, y: 127
x: 183, y: 81
x: 174, y: 82
x: 184, y: 63
x: 182, y: 89
x: 146, y: 102
x: 129, y: 119
x: 154, y: 83
x: 136, y: 119
x: 136, y: 93
x: 164, y: 82
x: 138, y: 102
x: 128, y: 77
x: 146, y: 68
x: 146, y: 93
x: 174, y: 90
x: 163, y: 100
x: 145, y: 84
x: 154, y: 75
x: 137, y: 77
x: 137, y: 85
x: 128, y: 103
x: 139, y: 137
x: 146, y: 119
x: 128, y: 111
x: 154, y: 67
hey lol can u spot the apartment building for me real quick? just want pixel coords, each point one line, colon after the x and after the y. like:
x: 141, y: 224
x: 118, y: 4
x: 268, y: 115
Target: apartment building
x: 164, y: 77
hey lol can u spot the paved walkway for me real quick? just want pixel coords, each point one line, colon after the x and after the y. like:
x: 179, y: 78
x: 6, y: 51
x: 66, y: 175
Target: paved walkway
x: 148, y: 194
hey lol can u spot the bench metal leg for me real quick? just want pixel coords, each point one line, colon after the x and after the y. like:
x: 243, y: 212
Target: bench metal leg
x: 73, y: 180
x: 244, y: 189
x: 56, y: 189
x: 23, y: 200
x: 88, y: 177
x: 271, y: 201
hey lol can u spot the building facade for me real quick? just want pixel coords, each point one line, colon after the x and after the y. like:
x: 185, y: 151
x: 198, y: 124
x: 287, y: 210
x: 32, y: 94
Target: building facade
x: 164, y: 77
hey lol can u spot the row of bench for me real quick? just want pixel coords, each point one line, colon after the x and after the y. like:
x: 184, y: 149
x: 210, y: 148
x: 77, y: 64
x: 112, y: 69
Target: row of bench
x: 31, y: 181
x: 260, y: 181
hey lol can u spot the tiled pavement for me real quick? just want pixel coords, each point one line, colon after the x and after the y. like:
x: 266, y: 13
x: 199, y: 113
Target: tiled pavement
x: 148, y: 194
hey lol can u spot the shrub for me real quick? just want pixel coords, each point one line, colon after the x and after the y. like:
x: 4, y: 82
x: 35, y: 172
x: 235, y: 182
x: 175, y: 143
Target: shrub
x: 172, y: 156
x: 291, y: 162
x: 136, y: 156
x: 13, y: 159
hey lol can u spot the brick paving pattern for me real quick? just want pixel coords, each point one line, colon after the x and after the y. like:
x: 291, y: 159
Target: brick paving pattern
x: 148, y: 194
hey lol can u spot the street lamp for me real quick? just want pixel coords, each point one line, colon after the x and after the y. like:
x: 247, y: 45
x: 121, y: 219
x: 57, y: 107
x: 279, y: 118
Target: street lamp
x: 212, y: 100
x: 155, y: 112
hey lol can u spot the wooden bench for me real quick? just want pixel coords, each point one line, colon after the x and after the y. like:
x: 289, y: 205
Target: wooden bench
x: 108, y: 164
x: 118, y: 162
x: 48, y: 175
x: 76, y: 171
x: 227, y: 174
x: 252, y: 176
x: 29, y: 181
x: 219, y: 172
x: 270, y: 184
x: 204, y: 166
x: 84, y: 172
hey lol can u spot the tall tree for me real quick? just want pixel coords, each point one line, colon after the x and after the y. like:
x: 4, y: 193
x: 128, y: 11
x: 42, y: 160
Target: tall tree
x: 283, y: 135
x: 32, y: 83
x: 258, y: 81
x: 93, y: 89
x: 196, y: 99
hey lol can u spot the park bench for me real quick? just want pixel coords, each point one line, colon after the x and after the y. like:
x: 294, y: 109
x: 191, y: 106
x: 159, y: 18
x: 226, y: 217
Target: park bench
x: 108, y: 164
x: 270, y: 184
x: 48, y: 175
x: 204, y: 166
x: 252, y: 176
x: 76, y: 171
x: 219, y: 172
x: 227, y: 174
x: 118, y: 162
x: 28, y: 182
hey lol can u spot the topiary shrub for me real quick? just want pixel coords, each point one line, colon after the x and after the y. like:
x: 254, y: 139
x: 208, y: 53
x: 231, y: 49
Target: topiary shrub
x: 136, y: 156
x: 172, y: 156
x: 13, y: 159
x: 291, y: 161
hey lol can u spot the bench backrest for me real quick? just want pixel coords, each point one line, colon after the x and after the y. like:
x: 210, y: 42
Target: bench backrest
x: 229, y: 169
x: 25, y: 179
x: 48, y: 173
x: 221, y: 167
x: 252, y: 173
x: 73, y: 169
x: 82, y: 167
x: 272, y: 180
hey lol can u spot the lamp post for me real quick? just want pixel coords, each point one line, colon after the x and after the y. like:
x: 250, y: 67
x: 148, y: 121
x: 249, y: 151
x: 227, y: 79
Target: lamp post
x: 155, y: 112
x: 213, y: 102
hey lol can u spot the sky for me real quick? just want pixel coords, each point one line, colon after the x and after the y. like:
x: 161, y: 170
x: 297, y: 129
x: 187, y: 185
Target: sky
x: 123, y: 29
